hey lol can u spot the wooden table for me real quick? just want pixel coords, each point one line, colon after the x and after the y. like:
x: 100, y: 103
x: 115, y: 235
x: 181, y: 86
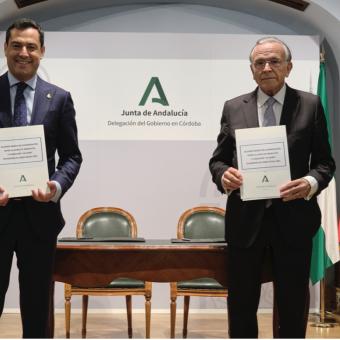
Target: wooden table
x: 98, y: 263
x: 85, y: 264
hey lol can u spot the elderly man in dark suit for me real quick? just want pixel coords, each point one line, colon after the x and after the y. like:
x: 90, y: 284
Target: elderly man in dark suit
x: 284, y: 226
x: 29, y: 225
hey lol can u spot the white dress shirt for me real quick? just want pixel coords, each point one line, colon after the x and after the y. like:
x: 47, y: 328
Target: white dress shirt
x: 29, y: 93
x: 277, y: 108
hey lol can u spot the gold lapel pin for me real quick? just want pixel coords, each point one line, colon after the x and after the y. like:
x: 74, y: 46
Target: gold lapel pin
x: 49, y: 96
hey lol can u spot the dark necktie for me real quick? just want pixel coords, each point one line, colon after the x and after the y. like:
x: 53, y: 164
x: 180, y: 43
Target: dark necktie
x: 269, y: 120
x: 269, y: 116
x: 20, y: 108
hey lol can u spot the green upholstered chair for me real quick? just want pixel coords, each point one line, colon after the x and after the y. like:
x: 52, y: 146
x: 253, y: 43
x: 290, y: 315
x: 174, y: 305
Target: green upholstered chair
x: 197, y: 223
x: 109, y: 222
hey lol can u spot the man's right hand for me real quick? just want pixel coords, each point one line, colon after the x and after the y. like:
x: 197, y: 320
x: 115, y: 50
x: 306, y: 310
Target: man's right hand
x: 3, y: 197
x: 231, y: 179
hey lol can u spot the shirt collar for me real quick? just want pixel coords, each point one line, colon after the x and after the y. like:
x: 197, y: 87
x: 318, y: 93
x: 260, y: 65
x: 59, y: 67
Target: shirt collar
x: 279, y: 96
x: 31, y: 82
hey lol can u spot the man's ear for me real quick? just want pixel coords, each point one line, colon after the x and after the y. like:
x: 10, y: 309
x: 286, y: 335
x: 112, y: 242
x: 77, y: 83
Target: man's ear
x: 42, y: 52
x: 252, y: 71
x: 289, y: 68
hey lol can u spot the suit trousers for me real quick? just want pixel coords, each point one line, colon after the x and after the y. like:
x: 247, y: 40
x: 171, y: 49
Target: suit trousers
x: 290, y: 268
x: 35, y: 258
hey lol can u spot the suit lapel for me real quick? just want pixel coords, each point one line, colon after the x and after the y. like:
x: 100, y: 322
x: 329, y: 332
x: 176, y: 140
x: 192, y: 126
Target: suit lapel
x: 250, y: 110
x: 5, y: 102
x: 42, y: 101
x: 290, y: 109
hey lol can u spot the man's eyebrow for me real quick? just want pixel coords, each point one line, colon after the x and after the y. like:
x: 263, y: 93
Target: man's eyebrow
x: 23, y: 43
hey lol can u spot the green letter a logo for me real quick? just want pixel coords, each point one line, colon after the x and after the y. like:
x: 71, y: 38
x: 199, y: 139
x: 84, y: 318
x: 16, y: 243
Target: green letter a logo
x: 154, y: 81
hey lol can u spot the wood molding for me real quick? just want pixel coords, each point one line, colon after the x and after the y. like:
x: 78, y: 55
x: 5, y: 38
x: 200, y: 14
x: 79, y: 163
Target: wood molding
x: 300, y: 5
x: 25, y: 3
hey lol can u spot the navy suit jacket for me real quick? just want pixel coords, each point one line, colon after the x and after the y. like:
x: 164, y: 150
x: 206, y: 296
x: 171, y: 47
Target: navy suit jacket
x: 52, y: 107
x: 309, y: 154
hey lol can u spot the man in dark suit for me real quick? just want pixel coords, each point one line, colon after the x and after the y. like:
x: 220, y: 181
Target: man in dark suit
x: 283, y: 227
x: 29, y: 225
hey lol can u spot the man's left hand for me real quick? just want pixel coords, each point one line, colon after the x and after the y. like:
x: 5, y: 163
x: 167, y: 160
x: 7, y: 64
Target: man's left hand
x: 40, y: 196
x: 299, y: 188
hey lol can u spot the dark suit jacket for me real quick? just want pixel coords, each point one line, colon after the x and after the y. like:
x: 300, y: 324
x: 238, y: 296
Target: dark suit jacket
x: 309, y: 154
x: 52, y: 107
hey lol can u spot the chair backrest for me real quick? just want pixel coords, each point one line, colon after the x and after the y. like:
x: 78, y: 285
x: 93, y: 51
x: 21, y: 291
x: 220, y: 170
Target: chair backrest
x: 202, y: 222
x: 106, y: 222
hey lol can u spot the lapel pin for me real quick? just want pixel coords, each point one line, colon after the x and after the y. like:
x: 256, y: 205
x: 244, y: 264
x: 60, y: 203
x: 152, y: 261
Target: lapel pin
x: 49, y: 96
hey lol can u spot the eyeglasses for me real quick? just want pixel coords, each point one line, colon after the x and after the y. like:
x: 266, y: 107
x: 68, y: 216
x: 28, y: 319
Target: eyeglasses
x: 273, y: 63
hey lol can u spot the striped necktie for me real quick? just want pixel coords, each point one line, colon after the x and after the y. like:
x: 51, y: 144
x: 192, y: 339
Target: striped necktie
x: 20, y: 108
x: 269, y: 120
x: 269, y: 116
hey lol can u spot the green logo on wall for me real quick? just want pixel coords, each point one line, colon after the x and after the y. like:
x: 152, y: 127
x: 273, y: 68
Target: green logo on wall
x: 154, y: 81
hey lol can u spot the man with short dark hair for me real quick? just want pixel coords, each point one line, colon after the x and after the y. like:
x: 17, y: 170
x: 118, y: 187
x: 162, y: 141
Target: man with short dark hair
x: 29, y: 225
x: 283, y: 226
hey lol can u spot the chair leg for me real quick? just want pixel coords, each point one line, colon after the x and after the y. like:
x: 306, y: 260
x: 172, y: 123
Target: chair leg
x: 84, y: 315
x: 276, y: 321
x: 173, y: 316
x: 128, y: 299
x: 67, y: 315
x: 228, y: 322
x: 147, y: 315
x: 307, y: 310
x: 185, y: 316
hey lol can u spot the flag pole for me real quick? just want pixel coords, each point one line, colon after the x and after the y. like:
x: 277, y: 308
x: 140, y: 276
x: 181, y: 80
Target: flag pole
x: 324, y: 322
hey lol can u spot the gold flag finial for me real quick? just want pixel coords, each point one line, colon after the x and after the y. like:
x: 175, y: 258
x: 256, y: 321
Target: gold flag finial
x: 322, y: 54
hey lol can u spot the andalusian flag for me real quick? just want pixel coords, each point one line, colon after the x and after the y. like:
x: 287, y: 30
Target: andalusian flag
x: 326, y: 241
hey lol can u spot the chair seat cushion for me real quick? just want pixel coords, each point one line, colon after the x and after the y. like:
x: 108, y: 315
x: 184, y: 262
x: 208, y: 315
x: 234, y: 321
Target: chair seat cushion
x: 123, y: 282
x: 202, y: 283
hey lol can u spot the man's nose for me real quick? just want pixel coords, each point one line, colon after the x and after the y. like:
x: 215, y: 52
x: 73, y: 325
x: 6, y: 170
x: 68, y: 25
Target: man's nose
x: 23, y: 51
x: 267, y: 66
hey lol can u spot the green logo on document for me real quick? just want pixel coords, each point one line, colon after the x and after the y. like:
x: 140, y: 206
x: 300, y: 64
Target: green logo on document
x: 154, y: 82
